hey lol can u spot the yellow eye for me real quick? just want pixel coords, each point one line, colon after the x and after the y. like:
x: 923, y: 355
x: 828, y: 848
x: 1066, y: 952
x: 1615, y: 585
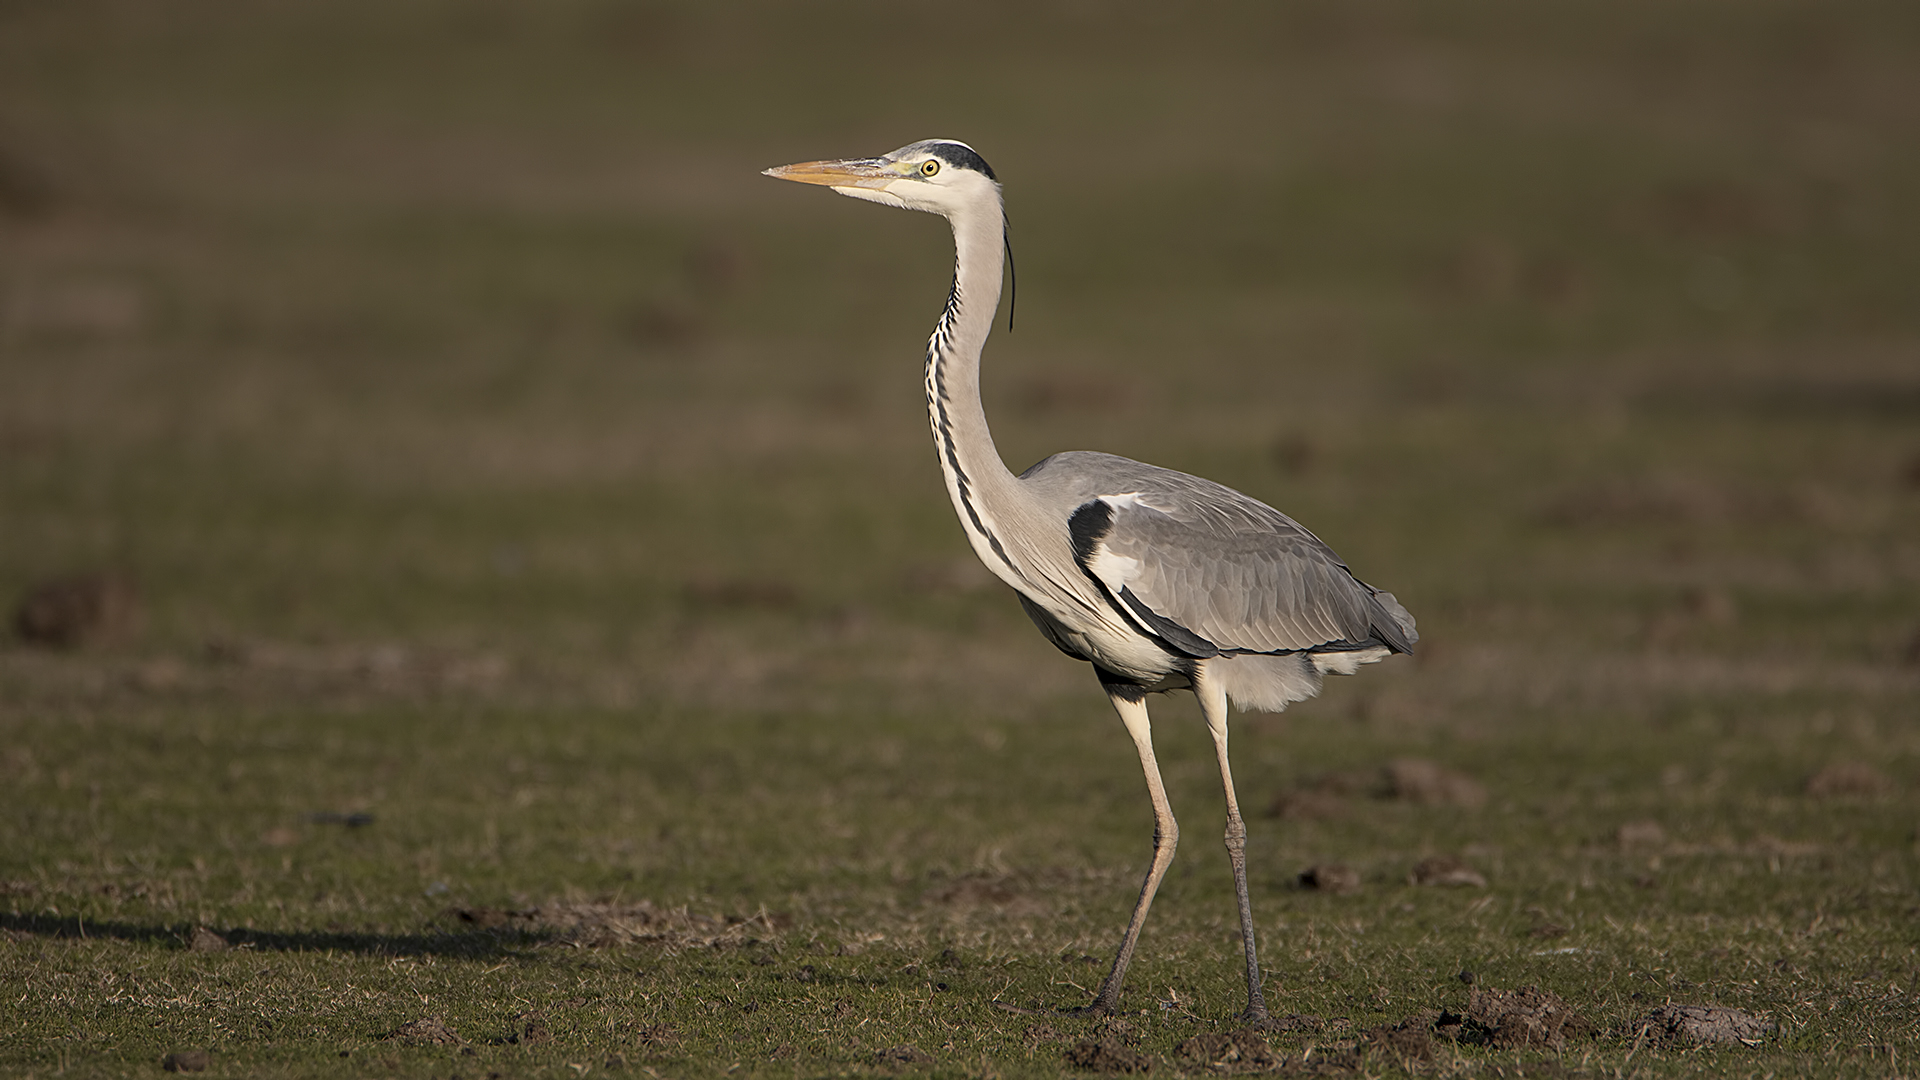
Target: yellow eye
x: 930, y: 167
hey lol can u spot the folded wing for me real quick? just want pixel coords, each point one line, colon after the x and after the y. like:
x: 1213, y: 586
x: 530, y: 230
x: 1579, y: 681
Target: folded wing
x: 1210, y: 571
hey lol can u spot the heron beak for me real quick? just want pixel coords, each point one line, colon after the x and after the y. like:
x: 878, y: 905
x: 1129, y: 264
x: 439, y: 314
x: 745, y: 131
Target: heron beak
x: 848, y: 173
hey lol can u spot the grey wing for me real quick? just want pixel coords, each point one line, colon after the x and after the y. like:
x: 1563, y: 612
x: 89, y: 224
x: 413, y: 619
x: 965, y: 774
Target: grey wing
x: 1211, y: 571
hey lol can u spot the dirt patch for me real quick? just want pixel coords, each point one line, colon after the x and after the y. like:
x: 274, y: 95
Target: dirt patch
x: 1308, y: 804
x: 1310, y: 1025
x: 900, y: 1057
x: 975, y: 890
x: 1445, y: 870
x: 1240, y: 1051
x: 1703, y: 1024
x: 389, y: 667
x: 1639, y: 834
x: 1845, y: 778
x: 1525, y: 1018
x: 1018, y: 893
x: 72, y: 612
x: 1428, y: 783
x: 426, y: 1031
x: 766, y: 594
x: 529, y: 1028
x: 1332, y: 878
x: 1408, y: 1041
x: 187, y: 1061
x: 657, y: 1038
x: 1107, y: 1055
x: 606, y: 923
x: 1528, y: 1016
x: 1410, y: 780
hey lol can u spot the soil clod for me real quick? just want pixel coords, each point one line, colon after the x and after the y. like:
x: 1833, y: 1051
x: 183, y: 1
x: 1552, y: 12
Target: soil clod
x: 658, y: 1037
x: 1639, y: 834
x: 1311, y: 1025
x: 529, y: 1029
x: 1409, y: 1040
x: 1411, y: 780
x: 187, y: 1061
x: 71, y: 612
x: 975, y: 890
x: 1245, y: 1050
x: 358, y: 819
x: 1108, y: 1055
x: 426, y: 1031
x: 1307, y: 804
x: 603, y: 923
x: 1332, y: 878
x: 903, y: 1055
x: 1844, y: 778
x: 1528, y: 1016
x: 1446, y: 870
x: 1704, y: 1024
x: 1428, y: 783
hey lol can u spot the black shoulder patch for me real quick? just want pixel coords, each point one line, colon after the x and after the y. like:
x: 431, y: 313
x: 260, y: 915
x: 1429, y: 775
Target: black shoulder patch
x: 962, y: 157
x: 1088, y: 526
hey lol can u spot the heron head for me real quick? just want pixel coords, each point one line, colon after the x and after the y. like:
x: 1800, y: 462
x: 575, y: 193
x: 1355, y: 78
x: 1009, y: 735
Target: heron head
x: 939, y: 176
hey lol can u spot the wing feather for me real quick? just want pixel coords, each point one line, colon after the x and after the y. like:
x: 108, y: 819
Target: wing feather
x: 1211, y: 571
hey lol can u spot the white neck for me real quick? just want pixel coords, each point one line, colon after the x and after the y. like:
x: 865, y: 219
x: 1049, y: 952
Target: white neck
x: 983, y: 491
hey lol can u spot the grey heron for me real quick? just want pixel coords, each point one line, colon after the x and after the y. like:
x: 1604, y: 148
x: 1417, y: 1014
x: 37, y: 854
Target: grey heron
x: 1161, y: 580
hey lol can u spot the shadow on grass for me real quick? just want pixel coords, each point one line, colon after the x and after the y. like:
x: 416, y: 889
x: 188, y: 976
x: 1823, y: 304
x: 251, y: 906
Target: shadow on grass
x: 484, y: 944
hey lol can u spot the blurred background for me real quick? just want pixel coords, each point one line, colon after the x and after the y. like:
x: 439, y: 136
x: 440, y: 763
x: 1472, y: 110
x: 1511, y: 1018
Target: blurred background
x: 455, y: 348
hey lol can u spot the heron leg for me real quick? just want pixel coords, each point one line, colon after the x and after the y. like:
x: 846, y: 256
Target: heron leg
x: 1131, y: 703
x: 1213, y: 705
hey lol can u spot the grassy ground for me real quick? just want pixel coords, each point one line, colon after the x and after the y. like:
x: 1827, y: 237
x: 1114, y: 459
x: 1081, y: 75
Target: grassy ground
x: 551, y: 623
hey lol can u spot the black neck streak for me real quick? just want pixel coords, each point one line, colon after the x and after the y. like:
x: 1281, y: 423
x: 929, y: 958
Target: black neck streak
x: 937, y: 400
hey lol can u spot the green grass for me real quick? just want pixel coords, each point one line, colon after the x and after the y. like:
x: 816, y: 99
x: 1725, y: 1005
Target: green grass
x: 498, y: 456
